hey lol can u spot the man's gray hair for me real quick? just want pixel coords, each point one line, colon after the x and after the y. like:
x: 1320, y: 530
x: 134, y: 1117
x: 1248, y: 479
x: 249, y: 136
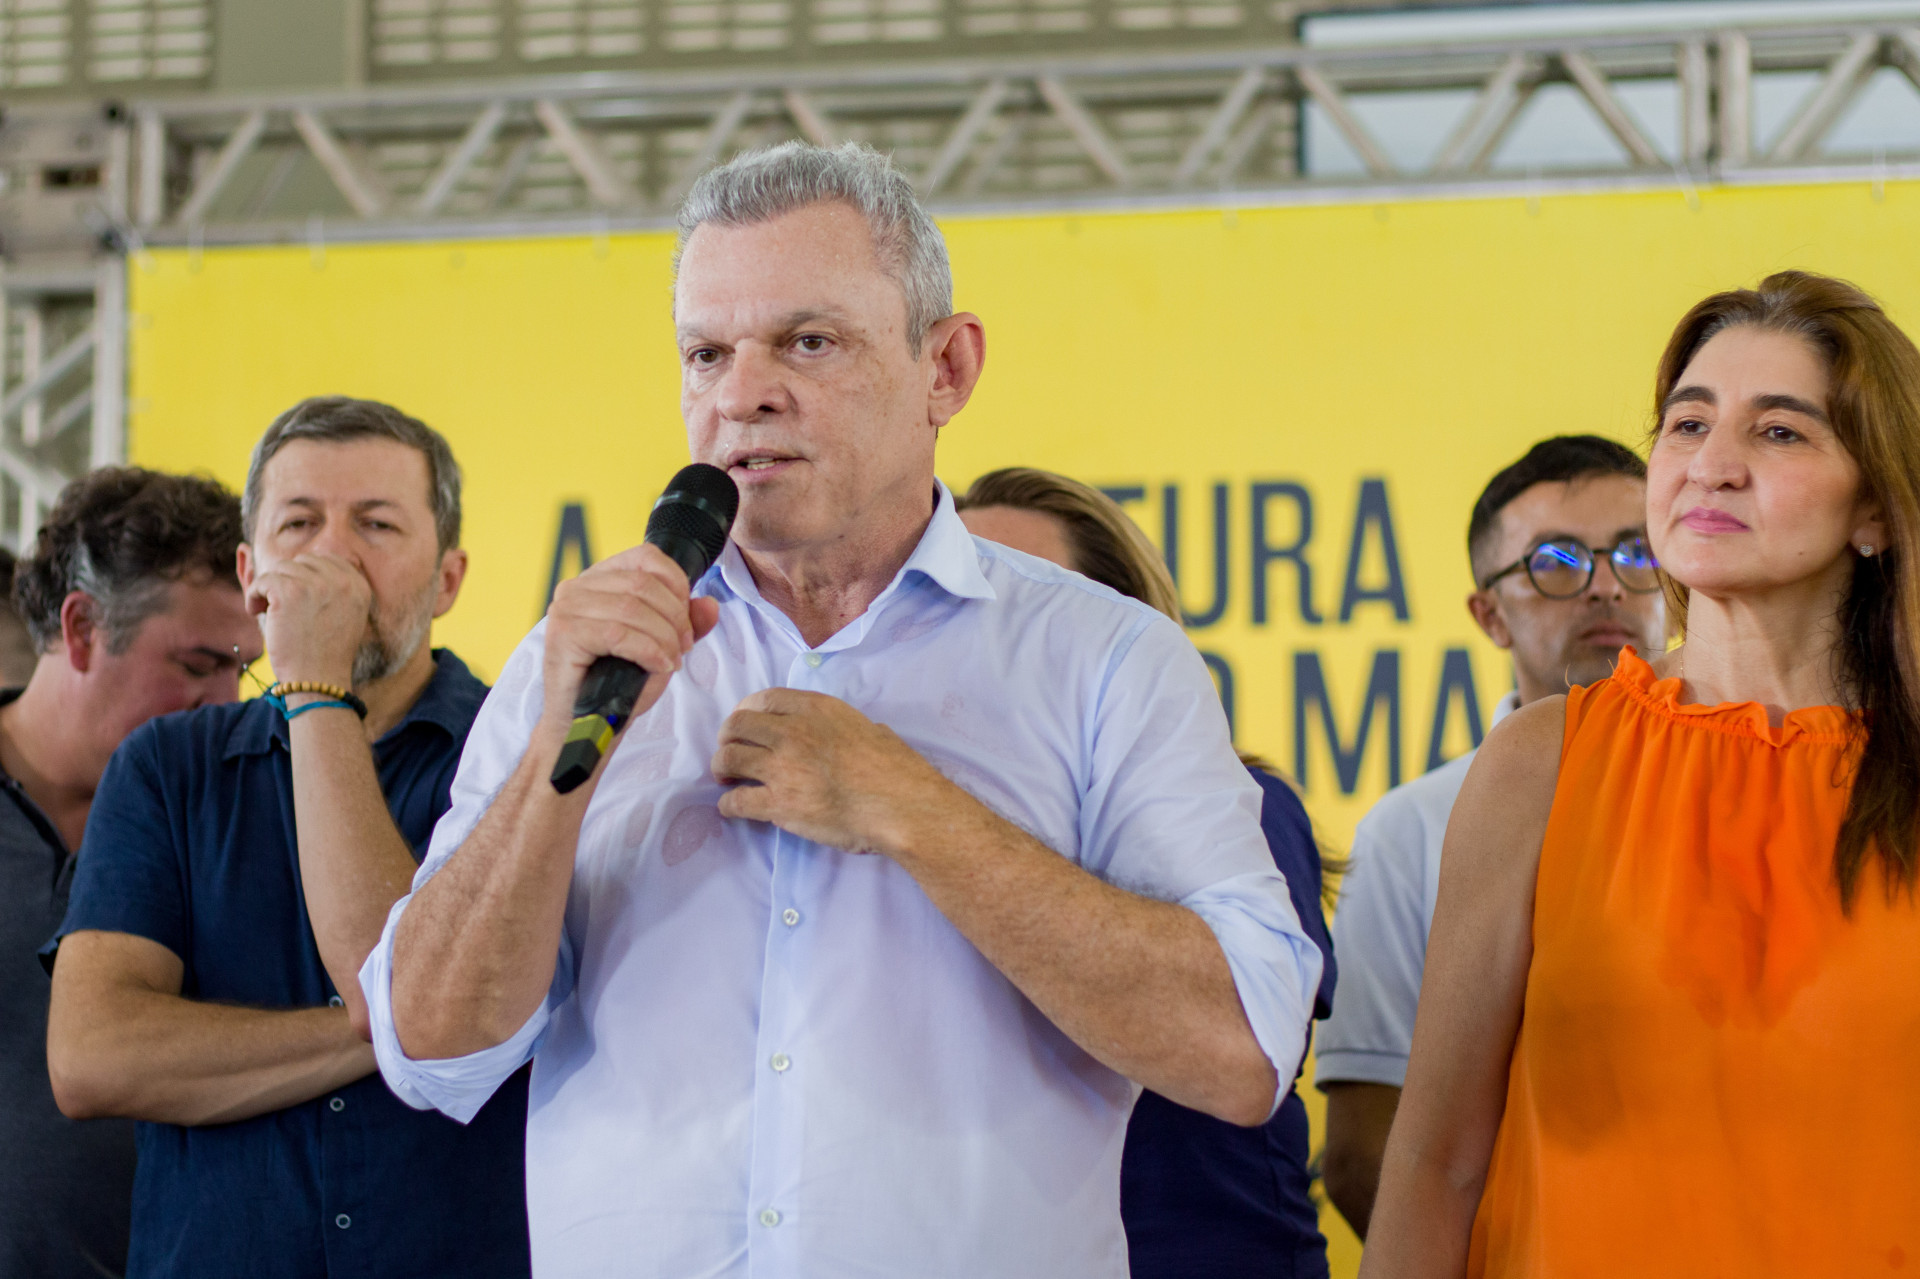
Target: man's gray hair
x: 336, y: 419
x: 761, y: 185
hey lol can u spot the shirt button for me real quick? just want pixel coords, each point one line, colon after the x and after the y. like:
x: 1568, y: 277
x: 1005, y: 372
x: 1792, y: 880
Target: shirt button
x: 336, y: 1105
x: 336, y: 1002
x: 814, y: 659
x: 343, y: 1221
x: 769, y: 1218
x: 789, y: 917
x: 780, y: 1062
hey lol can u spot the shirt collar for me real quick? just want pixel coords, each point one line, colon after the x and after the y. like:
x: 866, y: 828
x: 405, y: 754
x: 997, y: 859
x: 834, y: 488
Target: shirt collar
x: 945, y: 555
x: 8, y: 696
x: 12, y: 786
x: 448, y: 702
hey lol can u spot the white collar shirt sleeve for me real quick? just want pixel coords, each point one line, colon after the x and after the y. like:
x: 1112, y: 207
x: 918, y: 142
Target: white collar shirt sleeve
x: 764, y: 1057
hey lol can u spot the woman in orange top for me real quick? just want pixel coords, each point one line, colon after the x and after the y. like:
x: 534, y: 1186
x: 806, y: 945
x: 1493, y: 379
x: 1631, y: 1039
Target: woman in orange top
x: 1671, y: 1020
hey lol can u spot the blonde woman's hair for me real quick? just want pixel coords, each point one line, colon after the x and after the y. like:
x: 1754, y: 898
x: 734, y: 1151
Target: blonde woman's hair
x: 1107, y: 546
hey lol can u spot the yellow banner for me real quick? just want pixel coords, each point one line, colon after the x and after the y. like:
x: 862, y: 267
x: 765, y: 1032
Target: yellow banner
x: 1300, y: 404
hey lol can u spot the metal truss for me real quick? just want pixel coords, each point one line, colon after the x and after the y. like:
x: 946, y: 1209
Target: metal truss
x: 89, y: 182
x: 62, y: 309
x: 622, y: 149
x: 66, y: 336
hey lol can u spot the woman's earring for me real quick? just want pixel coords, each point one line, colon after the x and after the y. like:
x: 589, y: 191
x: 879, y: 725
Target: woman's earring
x: 1866, y: 549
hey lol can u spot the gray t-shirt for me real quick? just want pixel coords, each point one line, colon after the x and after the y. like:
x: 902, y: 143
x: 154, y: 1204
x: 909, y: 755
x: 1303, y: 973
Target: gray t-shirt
x: 1381, y: 924
x: 66, y: 1187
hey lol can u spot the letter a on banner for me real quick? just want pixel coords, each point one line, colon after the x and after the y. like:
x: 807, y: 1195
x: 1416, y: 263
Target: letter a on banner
x: 573, y: 533
x: 1456, y: 684
x: 1374, y: 512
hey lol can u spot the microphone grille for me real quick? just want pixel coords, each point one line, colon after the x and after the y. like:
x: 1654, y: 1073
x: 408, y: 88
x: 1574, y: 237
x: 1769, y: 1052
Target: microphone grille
x: 698, y: 505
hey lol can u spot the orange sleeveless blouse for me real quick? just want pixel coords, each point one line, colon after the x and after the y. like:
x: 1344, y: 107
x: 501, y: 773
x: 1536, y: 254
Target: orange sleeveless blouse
x: 1717, y: 1071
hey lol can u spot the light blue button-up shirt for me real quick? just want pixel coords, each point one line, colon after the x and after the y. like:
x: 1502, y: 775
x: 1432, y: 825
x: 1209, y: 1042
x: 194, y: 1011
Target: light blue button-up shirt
x: 762, y: 1057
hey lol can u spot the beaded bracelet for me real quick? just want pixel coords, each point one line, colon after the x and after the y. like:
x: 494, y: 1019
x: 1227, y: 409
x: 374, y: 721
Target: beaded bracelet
x: 344, y: 698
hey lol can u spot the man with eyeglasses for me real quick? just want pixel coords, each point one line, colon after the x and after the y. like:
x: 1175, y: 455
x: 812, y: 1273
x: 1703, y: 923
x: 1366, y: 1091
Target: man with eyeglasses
x: 1564, y: 579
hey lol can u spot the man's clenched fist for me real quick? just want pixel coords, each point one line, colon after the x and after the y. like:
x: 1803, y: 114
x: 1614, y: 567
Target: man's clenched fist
x: 633, y: 605
x: 315, y: 611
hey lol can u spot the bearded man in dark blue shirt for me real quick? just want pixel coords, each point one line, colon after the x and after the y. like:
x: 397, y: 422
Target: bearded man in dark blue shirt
x: 239, y: 864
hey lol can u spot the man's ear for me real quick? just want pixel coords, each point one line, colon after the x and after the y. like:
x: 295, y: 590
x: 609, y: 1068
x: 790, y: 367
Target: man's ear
x: 453, y: 571
x: 1488, y: 616
x: 243, y: 567
x: 78, y: 631
x: 957, y: 347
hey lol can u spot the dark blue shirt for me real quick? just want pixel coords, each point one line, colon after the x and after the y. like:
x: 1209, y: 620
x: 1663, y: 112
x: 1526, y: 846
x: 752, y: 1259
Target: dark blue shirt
x: 191, y: 844
x: 1206, y: 1199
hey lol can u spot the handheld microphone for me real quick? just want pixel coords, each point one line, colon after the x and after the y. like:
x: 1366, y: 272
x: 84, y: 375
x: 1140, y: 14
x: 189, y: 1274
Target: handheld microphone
x: 690, y: 523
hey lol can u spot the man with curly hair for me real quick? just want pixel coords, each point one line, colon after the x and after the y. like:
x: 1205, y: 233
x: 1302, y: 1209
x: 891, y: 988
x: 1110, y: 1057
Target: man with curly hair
x: 134, y: 610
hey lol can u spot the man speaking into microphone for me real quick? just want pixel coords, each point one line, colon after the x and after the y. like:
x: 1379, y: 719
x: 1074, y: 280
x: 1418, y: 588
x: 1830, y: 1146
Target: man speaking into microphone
x: 916, y: 860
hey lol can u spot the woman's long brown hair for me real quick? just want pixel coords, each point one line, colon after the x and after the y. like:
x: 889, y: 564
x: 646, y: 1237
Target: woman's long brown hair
x: 1874, y: 405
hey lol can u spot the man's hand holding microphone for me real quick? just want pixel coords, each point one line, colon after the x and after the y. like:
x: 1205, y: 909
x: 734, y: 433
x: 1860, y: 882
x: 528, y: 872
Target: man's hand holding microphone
x: 630, y: 617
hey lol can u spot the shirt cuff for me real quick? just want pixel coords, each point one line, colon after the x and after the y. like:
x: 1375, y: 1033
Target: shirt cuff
x: 1358, y: 1066
x: 1275, y: 965
x: 455, y: 1086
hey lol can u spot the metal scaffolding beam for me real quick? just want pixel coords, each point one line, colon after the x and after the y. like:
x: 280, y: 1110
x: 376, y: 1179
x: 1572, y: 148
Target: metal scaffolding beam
x: 62, y: 411
x: 1103, y: 127
x: 1100, y: 127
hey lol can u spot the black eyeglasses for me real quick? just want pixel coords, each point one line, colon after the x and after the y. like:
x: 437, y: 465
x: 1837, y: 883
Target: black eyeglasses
x: 1563, y: 567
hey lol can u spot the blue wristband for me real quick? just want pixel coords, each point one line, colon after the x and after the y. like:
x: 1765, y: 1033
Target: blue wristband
x: 298, y: 711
